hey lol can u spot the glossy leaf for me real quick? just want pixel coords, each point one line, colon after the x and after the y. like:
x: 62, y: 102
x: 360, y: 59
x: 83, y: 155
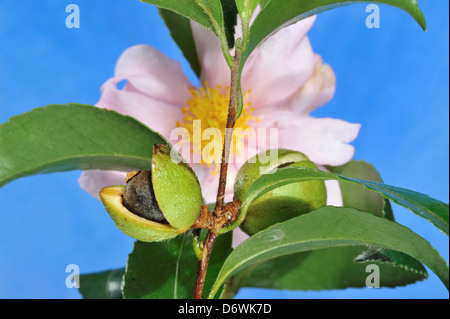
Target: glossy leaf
x: 278, y: 14
x: 356, y: 196
x: 188, y: 9
x: 161, y: 270
x: 181, y: 32
x: 246, y: 8
x: 336, y: 268
x: 167, y: 270
x: 322, y: 269
x: 330, y: 227
x: 263, y: 3
x: 68, y: 137
x: 208, y: 13
x: 102, y: 285
x: 431, y: 209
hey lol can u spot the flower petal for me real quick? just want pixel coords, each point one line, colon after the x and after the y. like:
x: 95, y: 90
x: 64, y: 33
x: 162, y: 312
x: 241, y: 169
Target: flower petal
x: 238, y: 237
x: 334, y: 194
x: 280, y: 65
x: 317, y: 91
x: 156, y: 114
x: 214, y: 68
x: 152, y: 73
x: 324, y: 141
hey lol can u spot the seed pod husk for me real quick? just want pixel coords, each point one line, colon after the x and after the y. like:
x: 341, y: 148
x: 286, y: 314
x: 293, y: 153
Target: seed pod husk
x: 158, y: 204
x: 131, y: 224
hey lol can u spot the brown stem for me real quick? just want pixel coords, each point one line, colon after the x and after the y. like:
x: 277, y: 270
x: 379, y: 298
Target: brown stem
x: 203, y: 265
x: 213, y: 223
x: 210, y: 221
x: 231, y: 120
x: 220, y: 202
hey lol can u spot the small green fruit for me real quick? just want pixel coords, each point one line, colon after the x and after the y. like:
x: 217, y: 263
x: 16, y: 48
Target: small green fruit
x: 284, y: 202
x: 158, y: 204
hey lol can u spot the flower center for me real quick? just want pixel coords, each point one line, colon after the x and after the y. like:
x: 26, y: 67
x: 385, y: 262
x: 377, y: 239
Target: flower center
x: 207, y: 113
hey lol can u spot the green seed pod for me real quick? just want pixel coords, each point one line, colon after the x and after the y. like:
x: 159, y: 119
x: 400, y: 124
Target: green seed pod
x: 158, y: 204
x: 281, y: 203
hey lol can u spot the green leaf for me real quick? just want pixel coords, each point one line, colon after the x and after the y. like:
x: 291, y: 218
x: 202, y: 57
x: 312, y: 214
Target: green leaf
x: 431, y: 209
x: 356, y: 196
x: 213, y: 8
x: 264, y: 3
x: 102, y: 285
x: 161, y: 270
x: 328, y: 268
x: 278, y: 14
x: 208, y: 13
x: 330, y: 227
x: 387, y: 210
x: 334, y: 268
x: 67, y: 137
x: 167, y: 270
x: 246, y: 8
x: 181, y: 32
x: 189, y: 9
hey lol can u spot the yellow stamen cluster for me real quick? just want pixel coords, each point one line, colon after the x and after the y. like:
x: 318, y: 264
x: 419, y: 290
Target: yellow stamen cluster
x: 209, y: 107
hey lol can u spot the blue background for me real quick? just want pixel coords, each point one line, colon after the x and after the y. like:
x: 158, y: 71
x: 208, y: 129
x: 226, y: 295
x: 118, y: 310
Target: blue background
x: 392, y: 80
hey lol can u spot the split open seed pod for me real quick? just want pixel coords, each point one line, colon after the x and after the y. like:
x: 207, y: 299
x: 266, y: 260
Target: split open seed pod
x: 158, y: 204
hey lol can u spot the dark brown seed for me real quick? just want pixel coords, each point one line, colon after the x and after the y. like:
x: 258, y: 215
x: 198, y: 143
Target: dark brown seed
x: 139, y: 197
x: 285, y: 165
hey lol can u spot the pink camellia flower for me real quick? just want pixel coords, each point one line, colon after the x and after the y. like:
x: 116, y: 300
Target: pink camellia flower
x: 282, y: 82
